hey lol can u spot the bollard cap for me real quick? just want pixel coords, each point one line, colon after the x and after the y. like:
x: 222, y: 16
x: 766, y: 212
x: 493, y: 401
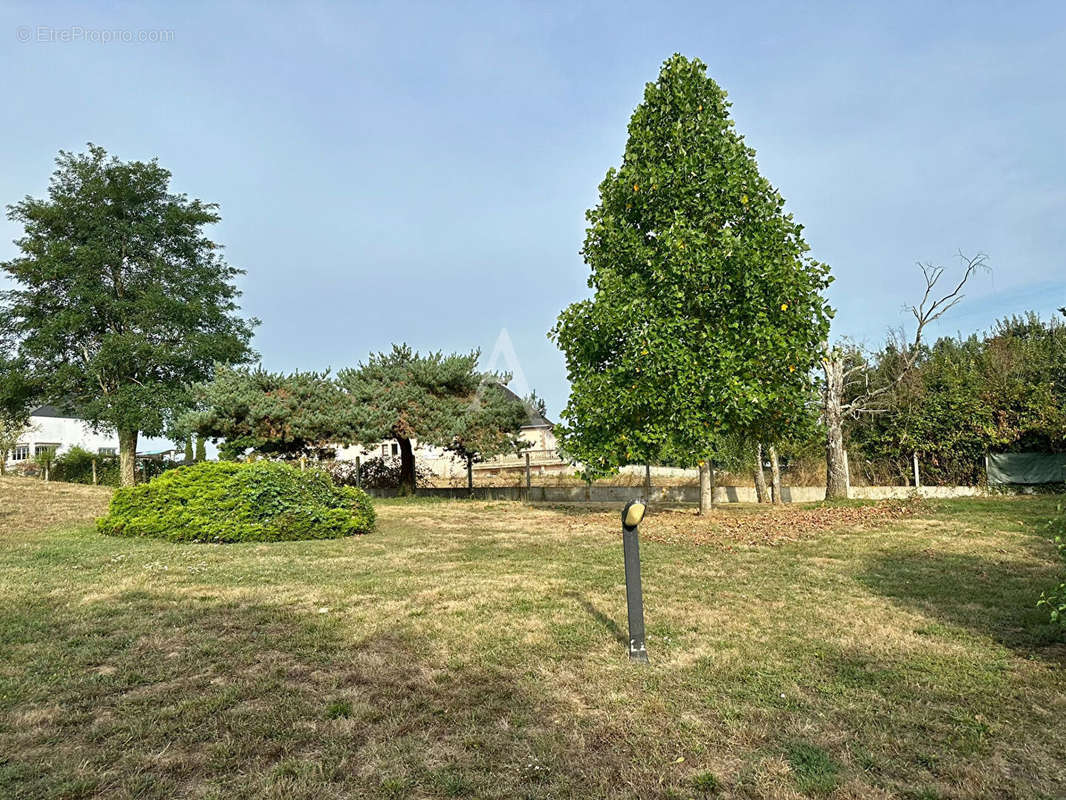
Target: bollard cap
x: 633, y: 513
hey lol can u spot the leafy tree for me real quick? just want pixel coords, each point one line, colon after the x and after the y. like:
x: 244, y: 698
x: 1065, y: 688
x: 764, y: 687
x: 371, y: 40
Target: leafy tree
x: 707, y: 314
x: 201, y: 449
x: 490, y: 426
x: 404, y: 395
x: 120, y: 300
x: 16, y: 393
x: 276, y: 414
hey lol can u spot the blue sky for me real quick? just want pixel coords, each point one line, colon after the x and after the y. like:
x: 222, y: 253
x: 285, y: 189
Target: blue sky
x: 419, y: 172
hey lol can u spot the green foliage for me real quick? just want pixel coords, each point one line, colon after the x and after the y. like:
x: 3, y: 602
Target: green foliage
x: 188, y: 450
x: 76, y: 466
x: 707, y: 314
x: 119, y: 299
x: 491, y: 425
x: 287, y: 415
x: 1004, y: 391
x: 201, y: 449
x: 375, y: 473
x: 404, y: 395
x: 221, y: 501
x: 1054, y: 600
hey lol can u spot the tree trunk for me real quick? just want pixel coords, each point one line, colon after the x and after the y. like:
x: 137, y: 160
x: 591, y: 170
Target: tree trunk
x: 760, y: 477
x: 836, y: 469
x: 706, y: 487
x: 407, y: 467
x: 775, y: 476
x: 127, y: 456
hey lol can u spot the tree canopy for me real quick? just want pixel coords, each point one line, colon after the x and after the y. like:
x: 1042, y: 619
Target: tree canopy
x: 276, y: 414
x: 120, y: 299
x: 434, y: 398
x: 707, y: 314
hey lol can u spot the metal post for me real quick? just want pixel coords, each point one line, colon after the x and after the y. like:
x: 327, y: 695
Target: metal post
x: 917, y: 478
x: 529, y: 474
x: 647, y: 482
x: 634, y: 597
x: 470, y: 475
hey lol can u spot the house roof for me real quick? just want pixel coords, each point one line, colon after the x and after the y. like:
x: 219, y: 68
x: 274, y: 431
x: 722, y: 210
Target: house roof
x: 535, y: 418
x: 53, y: 411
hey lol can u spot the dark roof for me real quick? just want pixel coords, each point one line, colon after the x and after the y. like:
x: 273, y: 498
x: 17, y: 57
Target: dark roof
x: 535, y: 418
x: 53, y: 411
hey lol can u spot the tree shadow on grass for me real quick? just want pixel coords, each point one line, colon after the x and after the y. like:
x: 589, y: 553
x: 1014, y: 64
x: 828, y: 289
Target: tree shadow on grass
x: 612, y: 627
x: 989, y: 597
x: 158, y: 695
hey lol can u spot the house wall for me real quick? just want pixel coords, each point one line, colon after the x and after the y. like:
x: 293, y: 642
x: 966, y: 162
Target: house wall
x: 67, y: 433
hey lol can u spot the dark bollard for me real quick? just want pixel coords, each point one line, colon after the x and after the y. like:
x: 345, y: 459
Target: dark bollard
x: 632, y: 515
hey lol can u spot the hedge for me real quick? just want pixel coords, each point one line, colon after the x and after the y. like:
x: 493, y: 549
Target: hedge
x: 225, y: 501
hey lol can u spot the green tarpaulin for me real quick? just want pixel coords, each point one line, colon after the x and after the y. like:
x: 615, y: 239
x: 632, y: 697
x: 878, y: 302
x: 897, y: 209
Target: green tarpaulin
x: 1026, y: 468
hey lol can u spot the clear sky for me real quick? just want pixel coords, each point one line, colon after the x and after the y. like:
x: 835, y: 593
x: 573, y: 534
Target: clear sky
x: 419, y: 172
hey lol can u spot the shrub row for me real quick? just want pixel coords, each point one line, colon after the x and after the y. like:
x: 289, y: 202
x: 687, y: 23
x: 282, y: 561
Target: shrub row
x: 226, y: 501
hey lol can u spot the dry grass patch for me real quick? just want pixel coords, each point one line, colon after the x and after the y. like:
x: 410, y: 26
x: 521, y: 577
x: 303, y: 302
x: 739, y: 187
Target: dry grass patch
x: 28, y: 504
x: 476, y: 649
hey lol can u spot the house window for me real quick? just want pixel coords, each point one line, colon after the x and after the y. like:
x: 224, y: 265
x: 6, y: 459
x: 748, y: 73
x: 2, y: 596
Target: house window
x: 395, y: 449
x: 384, y: 450
x: 41, y: 448
x: 21, y: 452
x: 105, y: 451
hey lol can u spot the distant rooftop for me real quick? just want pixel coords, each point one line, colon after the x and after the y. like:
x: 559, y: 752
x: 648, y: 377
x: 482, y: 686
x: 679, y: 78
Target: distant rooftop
x: 53, y: 411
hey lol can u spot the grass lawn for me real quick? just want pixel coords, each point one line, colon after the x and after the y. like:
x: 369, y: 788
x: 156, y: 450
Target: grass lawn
x: 476, y: 650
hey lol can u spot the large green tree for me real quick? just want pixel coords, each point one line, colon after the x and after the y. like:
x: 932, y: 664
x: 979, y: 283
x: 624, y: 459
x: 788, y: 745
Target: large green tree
x: 120, y: 298
x: 404, y: 395
x: 276, y: 414
x: 707, y: 313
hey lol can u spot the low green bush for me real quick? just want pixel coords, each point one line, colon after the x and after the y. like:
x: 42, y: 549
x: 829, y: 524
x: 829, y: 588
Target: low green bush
x: 76, y: 466
x: 225, y: 501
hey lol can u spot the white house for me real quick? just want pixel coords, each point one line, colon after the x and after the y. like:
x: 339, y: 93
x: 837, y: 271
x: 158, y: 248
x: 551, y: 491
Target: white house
x: 51, y: 429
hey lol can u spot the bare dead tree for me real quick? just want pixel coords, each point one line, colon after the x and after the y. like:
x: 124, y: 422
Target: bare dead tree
x: 847, y: 372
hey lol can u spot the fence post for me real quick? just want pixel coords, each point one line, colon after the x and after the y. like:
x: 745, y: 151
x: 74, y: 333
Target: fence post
x: 529, y: 474
x: 470, y: 475
x: 358, y: 477
x: 303, y: 463
x: 647, y: 483
x: 917, y: 478
x: 94, y: 472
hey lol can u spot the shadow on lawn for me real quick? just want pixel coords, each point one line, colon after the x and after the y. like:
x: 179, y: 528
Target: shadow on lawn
x: 158, y: 695
x: 995, y: 598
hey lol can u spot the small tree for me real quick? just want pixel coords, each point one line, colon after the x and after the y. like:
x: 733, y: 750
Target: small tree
x: 403, y: 395
x: 276, y: 414
x: 188, y: 450
x: 707, y: 313
x: 490, y: 426
x: 120, y: 298
x: 201, y: 449
x: 17, y: 390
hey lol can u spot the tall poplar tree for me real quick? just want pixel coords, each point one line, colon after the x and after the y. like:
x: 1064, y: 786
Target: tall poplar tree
x: 120, y: 299
x: 707, y: 314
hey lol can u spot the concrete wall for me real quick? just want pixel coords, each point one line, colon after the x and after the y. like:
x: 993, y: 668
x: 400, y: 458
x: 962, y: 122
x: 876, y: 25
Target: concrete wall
x: 679, y: 495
